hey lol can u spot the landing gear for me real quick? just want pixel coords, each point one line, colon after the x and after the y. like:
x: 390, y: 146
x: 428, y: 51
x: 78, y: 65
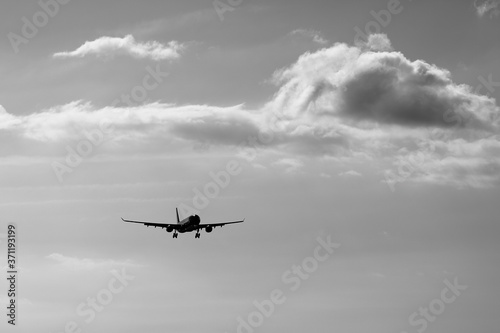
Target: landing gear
x: 175, y: 235
x: 197, y: 235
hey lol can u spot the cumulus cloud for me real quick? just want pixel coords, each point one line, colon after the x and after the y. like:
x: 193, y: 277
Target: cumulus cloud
x: 379, y: 42
x: 351, y: 103
x: 380, y: 87
x: 109, y: 47
x: 78, y: 264
x: 6, y: 120
x: 487, y: 6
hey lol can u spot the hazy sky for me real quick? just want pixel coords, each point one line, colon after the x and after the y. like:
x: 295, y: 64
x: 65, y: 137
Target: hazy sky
x: 373, y: 125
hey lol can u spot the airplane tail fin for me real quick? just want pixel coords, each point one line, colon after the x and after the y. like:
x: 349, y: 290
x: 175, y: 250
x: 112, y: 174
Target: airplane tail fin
x: 177, y: 212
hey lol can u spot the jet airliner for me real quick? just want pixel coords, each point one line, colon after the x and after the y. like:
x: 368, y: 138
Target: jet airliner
x: 190, y: 223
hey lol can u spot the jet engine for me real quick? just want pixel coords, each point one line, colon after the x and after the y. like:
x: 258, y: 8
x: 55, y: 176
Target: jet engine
x: 170, y: 229
x: 209, y: 229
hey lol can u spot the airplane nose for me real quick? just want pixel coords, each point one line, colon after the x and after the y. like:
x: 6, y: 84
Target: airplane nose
x: 194, y: 219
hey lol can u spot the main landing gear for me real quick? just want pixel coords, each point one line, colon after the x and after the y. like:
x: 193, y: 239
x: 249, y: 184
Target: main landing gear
x: 175, y: 235
x: 197, y: 235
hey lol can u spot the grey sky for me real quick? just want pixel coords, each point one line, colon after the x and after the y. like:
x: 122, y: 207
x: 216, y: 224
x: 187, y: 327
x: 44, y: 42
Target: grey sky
x: 385, y: 144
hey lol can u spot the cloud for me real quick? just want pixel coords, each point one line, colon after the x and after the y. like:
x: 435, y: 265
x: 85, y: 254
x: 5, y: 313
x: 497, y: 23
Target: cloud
x: 379, y: 42
x: 202, y: 123
x: 351, y: 104
x: 112, y: 46
x: 291, y: 165
x: 77, y: 264
x: 161, y: 124
x: 315, y: 36
x: 378, y: 87
x: 454, y: 162
x: 6, y: 120
x: 350, y: 173
x: 487, y: 6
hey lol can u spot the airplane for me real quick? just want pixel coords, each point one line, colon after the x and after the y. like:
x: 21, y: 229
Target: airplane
x: 190, y: 223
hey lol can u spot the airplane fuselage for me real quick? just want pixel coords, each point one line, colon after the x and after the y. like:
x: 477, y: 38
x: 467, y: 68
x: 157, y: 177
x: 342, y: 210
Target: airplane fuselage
x: 189, y: 224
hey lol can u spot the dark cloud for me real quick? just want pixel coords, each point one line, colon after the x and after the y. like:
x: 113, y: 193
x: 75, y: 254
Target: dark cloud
x: 351, y: 103
x: 382, y: 95
x: 208, y: 129
x: 382, y: 87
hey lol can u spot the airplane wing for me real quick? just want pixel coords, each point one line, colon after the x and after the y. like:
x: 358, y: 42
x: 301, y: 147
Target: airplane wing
x: 153, y: 224
x: 217, y: 224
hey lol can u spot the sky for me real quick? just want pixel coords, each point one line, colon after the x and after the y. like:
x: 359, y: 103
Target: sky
x: 358, y: 139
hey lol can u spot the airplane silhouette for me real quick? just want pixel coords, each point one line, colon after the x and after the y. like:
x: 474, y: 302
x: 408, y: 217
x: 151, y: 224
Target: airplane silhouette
x: 190, y: 223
